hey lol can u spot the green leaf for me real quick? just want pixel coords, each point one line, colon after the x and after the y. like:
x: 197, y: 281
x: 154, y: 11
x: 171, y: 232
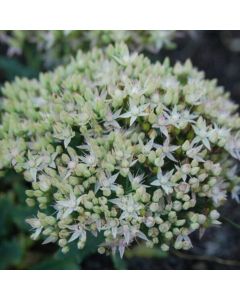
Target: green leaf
x: 12, y: 67
x: 71, y: 260
x: 6, y: 206
x: 10, y: 253
x: 118, y: 262
x: 231, y: 222
x: 145, y: 252
x: 56, y: 264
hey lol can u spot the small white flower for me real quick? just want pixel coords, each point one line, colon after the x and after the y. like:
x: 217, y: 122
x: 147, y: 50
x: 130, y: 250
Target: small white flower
x: 178, y: 119
x: 65, y: 207
x: 33, y: 165
x: 162, y: 124
x: 233, y: 146
x: 130, y: 233
x: 164, y: 181
x: 106, y: 181
x: 79, y: 232
x: 130, y: 207
x: 89, y: 159
x: 185, y: 241
x: 136, y: 181
x: 111, y: 118
x: 145, y: 149
x: 235, y: 193
x: 218, y: 193
x: 36, y: 225
x: 194, y: 152
x: 202, y: 131
x: 135, y: 112
x: 167, y: 149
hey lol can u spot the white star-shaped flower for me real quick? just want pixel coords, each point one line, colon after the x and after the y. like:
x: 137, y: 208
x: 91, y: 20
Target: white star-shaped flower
x: 135, y: 112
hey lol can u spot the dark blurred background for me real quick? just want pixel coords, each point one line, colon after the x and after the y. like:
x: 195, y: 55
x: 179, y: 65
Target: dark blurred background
x: 217, y: 53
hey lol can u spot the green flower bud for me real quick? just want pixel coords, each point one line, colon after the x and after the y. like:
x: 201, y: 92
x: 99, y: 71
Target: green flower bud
x: 194, y: 226
x: 177, y: 205
x: 201, y: 219
x: 164, y: 247
x: 214, y: 214
x: 62, y: 243
x: 65, y: 249
x: 168, y: 235
x: 30, y: 202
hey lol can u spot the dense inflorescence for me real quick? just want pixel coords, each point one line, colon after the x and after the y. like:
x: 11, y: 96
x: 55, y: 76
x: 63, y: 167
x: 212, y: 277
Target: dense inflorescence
x: 57, y: 46
x: 117, y: 146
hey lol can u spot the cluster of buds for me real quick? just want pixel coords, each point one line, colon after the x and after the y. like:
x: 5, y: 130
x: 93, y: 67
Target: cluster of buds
x: 57, y: 46
x: 117, y: 146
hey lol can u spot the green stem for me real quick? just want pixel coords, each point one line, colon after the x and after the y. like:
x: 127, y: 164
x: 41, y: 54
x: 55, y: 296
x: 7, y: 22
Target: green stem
x: 231, y: 222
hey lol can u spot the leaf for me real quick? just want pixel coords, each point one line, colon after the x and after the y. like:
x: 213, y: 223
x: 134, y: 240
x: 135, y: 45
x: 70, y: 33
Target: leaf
x: 145, y: 252
x: 79, y: 255
x: 10, y: 253
x: 118, y: 262
x: 6, y: 206
x: 71, y: 260
x: 231, y: 222
x: 11, y: 67
x: 56, y: 264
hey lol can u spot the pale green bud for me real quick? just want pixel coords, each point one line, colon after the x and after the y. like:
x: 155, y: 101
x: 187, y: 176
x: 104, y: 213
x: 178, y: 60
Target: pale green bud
x: 186, y: 146
x: 30, y: 202
x: 157, y: 195
x: 164, y: 247
x: 212, y: 181
x: 202, y: 177
x: 65, y: 249
x: 186, y: 205
x: 152, y: 156
x: 178, y: 245
x: 177, y: 205
x: 141, y: 158
x: 186, y: 168
x: 124, y: 172
x: 194, y: 170
x: 164, y: 227
x: 168, y: 235
x: 62, y: 243
x: 180, y: 223
x: 101, y: 250
x: 214, y: 214
x: 194, y: 226
x: 154, y: 207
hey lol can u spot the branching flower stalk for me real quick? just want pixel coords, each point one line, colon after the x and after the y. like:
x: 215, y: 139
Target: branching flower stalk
x: 117, y: 146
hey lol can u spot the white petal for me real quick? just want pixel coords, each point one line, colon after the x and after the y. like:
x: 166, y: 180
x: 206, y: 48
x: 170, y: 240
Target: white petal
x: 133, y: 119
x: 121, y: 250
x: 156, y: 183
x: 67, y: 141
x: 74, y: 236
x: 126, y: 115
x: 50, y: 239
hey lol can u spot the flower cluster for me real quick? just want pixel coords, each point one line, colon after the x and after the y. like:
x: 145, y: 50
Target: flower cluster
x: 56, y: 46
x: 117, y: 146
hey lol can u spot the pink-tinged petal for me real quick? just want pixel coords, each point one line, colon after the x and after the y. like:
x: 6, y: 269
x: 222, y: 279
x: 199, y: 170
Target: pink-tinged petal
x: 50, y: 239
x: 121, y: 250
x: 155, y: 182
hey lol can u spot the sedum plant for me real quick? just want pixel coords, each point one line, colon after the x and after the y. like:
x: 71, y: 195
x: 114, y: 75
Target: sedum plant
x: 57, y: 46
x: 117, y: 146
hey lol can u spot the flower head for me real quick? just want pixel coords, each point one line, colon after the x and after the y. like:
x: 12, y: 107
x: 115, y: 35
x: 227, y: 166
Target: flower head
x: 118, y: 147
